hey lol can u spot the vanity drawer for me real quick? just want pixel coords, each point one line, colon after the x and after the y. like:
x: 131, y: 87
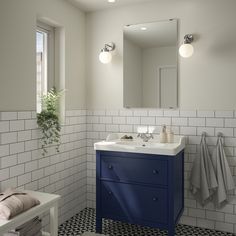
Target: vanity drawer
x: 139, y: 170
x: 130, y: 201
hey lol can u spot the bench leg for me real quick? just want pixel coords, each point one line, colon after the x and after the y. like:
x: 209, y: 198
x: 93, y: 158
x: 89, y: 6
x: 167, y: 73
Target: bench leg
x: 54, y: 220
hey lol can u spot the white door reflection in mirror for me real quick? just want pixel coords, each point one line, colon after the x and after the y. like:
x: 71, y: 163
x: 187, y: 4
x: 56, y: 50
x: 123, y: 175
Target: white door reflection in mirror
x: 167, y: 85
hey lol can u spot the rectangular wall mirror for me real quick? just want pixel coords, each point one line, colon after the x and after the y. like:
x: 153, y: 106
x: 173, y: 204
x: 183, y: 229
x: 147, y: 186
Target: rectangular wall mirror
x: 150, y: 65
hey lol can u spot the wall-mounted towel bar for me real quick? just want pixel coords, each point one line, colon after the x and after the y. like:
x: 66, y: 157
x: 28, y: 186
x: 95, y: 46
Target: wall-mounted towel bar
x: 219, y: 134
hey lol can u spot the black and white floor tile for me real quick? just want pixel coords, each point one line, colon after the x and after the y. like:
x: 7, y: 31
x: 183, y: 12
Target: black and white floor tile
x: 85, y: 222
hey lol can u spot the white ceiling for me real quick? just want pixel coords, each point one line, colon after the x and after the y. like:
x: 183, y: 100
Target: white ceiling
x: 95, y: 5
x: 157, y: 34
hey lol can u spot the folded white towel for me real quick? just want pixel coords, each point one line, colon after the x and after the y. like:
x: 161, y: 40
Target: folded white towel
x: 14, y: 202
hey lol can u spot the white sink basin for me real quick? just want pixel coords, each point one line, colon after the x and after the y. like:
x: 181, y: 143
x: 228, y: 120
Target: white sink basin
x: 141, y: 144
x: 153, y: 146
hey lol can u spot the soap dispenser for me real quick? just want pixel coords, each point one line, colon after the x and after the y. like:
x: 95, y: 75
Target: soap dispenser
x: 163, y: 134
x: 170, y: 136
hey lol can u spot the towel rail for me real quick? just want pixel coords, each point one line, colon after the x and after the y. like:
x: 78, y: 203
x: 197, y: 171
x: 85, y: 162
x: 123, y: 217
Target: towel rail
x: 219, y: 134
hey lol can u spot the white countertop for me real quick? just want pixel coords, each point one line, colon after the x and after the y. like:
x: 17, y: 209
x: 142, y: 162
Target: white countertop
x: 153, y: 146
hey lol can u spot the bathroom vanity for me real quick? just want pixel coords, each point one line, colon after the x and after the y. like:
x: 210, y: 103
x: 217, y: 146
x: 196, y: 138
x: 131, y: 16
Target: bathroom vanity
x: 139, y: 187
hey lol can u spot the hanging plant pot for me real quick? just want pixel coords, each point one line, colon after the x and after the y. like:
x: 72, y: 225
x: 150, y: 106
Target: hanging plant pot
x: 48, y: 120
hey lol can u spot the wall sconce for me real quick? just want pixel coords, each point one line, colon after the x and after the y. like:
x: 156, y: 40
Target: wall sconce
x: 105, y: 55
x: 186, y: 49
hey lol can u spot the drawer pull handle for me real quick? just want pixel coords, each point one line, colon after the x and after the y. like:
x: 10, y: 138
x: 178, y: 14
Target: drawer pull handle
x: 110, y: 167
x: 155, y: 172
x: 155, y: 199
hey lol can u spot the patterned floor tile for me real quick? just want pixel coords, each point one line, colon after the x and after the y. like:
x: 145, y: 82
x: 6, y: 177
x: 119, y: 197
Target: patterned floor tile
x: 85, y: 222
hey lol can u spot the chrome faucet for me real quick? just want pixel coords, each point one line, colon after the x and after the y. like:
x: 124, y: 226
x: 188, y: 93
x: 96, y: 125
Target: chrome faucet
x: 145, y: 136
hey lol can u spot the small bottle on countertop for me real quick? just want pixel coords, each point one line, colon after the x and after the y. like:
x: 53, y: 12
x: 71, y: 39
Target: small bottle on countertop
x: 163, y: 134
x: 170, y: 136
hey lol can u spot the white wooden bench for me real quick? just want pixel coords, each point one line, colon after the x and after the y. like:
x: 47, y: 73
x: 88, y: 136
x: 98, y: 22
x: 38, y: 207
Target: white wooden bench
x: 47, y: 202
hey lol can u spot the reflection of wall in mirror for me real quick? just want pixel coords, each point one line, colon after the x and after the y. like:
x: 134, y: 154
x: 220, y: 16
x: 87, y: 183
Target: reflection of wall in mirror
x: 145, y: 51
x: 153, y: 59
x: 142, y: 77
x: 133, y: 74
x: 168, y: 87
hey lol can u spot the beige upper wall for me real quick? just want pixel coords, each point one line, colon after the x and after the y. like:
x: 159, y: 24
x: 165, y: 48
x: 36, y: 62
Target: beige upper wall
x: 206, y: 81
x: 17, y: 51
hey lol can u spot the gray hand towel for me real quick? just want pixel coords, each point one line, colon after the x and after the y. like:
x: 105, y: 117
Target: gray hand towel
x: 202, y: 179
x: 29, y: 224
x: 223, y: 173
x: 30, y: 228
x: 33, y: 231
x: 11, y: 233
x: 38, y: 233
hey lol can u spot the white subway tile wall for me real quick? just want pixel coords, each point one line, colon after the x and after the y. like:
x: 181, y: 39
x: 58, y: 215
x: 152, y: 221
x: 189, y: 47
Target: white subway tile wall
x: 23, y: 166
x: 189, y: 123
x: 72, y: 172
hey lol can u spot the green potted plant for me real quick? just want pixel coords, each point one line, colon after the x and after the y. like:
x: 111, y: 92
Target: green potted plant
x: 48, y: 120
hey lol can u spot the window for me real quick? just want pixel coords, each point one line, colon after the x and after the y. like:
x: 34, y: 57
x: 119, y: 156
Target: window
x: 44, y: 61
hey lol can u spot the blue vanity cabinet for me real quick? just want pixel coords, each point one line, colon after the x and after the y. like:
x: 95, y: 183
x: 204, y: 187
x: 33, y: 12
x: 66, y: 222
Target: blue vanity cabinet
x: 142, y: 189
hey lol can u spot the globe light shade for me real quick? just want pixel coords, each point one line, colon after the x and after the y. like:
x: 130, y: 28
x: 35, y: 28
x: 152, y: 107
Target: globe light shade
x: 105, y: 57
x: 186, y: 50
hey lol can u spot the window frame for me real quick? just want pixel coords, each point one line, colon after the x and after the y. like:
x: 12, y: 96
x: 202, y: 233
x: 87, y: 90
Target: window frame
x: 49, y: 57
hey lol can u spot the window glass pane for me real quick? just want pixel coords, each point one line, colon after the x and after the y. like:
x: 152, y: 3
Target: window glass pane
x: 41, y: 63
x: 44, y: 61
x: 39, y: 41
